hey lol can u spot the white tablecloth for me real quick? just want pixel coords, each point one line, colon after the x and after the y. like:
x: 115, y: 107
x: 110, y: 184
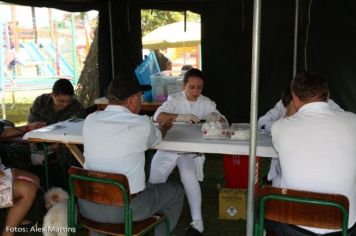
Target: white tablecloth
x: 189, y: 138
x: 62, y: 132
x: 181, y: 137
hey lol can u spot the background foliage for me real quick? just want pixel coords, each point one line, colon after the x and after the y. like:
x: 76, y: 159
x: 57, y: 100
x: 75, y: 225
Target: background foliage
x: 152, y: 19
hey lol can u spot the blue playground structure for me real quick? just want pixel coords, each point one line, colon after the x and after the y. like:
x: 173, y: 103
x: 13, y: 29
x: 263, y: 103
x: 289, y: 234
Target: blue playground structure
x: 35, y: 55
x: 66, y: 69
x: 41, y: 64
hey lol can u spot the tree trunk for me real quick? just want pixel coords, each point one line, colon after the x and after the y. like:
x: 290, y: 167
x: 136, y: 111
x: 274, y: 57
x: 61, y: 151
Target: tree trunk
x: 88, y: 84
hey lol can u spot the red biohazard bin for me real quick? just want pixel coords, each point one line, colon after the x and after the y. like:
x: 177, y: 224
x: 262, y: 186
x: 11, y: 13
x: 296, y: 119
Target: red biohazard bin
x: 236, y: 171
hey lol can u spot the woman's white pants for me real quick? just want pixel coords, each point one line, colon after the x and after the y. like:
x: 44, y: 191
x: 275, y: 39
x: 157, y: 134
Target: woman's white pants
x: 162, y: 165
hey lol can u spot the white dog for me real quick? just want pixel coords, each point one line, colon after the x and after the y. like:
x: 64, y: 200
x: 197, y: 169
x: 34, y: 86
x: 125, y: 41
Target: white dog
x: 55, y: 221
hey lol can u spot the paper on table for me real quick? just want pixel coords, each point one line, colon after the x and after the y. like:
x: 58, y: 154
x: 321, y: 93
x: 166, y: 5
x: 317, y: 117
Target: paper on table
x: 50, y: 128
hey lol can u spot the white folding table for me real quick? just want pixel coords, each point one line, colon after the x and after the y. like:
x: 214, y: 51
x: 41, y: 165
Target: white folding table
x: 181, y: 137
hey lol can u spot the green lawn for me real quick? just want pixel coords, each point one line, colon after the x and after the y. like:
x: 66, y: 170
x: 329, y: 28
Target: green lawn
x: 18, y: 106
x: 17, y: 114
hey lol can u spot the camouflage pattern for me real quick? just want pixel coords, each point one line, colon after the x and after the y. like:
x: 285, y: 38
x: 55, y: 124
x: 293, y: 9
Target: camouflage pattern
x: 42, y: 110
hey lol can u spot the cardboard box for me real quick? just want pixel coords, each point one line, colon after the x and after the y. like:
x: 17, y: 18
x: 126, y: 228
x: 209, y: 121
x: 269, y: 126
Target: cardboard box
x: 232, y: 203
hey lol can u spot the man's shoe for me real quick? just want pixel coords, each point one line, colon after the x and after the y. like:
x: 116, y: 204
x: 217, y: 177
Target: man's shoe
x: 198, y: 225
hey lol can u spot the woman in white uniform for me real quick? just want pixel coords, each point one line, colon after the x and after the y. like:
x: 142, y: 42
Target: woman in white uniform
x: 186, y: 106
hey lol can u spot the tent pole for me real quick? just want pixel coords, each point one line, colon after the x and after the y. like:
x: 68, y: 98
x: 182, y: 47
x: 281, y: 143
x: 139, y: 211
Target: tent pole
x: 256, y: 31
x: 295, y: 49
x: 74, y: 50
x: 111, y: 41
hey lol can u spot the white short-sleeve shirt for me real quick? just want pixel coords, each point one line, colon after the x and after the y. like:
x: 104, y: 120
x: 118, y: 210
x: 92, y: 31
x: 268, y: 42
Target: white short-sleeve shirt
x: 317, y: 152
x: 115, y: 140
x: 178, y: 103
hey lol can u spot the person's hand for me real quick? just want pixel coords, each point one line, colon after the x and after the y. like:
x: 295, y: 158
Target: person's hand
x: 213, y: 117
x: 36, y: 125
x: 189, y: 118
x: 167, y: 124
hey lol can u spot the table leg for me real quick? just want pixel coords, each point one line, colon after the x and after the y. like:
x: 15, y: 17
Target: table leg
x: 45, y: 153
x: 76, y: 153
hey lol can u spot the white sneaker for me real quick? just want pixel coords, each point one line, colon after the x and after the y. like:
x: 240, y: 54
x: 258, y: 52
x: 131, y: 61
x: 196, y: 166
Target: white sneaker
x: 198, y: 225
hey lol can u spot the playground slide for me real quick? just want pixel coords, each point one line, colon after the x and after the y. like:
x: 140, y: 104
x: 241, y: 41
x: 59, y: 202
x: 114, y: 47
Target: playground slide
x: 34, y: 53
x: 65, y: 68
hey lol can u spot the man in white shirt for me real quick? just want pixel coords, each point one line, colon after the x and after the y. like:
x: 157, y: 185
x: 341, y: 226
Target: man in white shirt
x: 316, y: 148
x: 284, y: 107
x: 114, y: 141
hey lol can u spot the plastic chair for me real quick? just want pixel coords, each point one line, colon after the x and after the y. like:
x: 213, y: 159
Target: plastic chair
x: 328, y: 211
x: 110, y: 189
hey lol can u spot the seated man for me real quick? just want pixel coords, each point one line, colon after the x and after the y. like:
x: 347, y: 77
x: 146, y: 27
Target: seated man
x: 316, y: 148
x: 115, y: 141
x: 56, y: 106
x: 24, y: 186
x: 283, y: 108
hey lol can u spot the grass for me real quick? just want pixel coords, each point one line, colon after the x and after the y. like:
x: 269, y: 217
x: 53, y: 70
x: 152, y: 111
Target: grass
x: 17, y: 112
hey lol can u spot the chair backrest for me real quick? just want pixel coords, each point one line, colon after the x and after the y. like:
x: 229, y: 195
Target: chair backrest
x: 328, y: 211
x: 100, y: 187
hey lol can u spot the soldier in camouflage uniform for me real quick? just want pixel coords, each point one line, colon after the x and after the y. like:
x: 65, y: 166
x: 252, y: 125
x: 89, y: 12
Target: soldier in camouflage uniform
x: 51, y: 108
x: 57, y: 106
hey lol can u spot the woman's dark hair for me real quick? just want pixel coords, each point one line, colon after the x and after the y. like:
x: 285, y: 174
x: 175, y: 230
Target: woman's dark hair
x: 63, y: 87
x: 286, y: 96
x: 193, y: 72
x: 308, y: 85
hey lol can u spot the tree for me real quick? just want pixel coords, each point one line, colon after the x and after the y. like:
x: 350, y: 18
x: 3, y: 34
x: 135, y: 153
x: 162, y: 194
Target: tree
x: 88, y: 83
x: 153, y: 19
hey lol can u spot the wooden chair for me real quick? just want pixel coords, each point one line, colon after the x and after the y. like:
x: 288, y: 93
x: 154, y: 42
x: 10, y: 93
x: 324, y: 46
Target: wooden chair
x: 329, y: 211
x: 109, y: 189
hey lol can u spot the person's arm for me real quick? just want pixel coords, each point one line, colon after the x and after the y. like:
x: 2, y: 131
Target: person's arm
x: 334, y: 106
x: 14, y: 131
x: 188, y: 118
x: 157, y: 132
x: 167, y: 111
x: 265, y: 122
x: 34, y: 114
x: 74, y: 110
x: 11, y: 132
x: 165, y: 126
x: 78, y: 109
x: 165, y: 116
x: 211, y: 113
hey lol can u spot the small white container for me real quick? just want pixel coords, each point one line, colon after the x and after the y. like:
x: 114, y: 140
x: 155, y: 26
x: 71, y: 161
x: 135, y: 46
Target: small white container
x: 215, y: 130
x: 240, y: 131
